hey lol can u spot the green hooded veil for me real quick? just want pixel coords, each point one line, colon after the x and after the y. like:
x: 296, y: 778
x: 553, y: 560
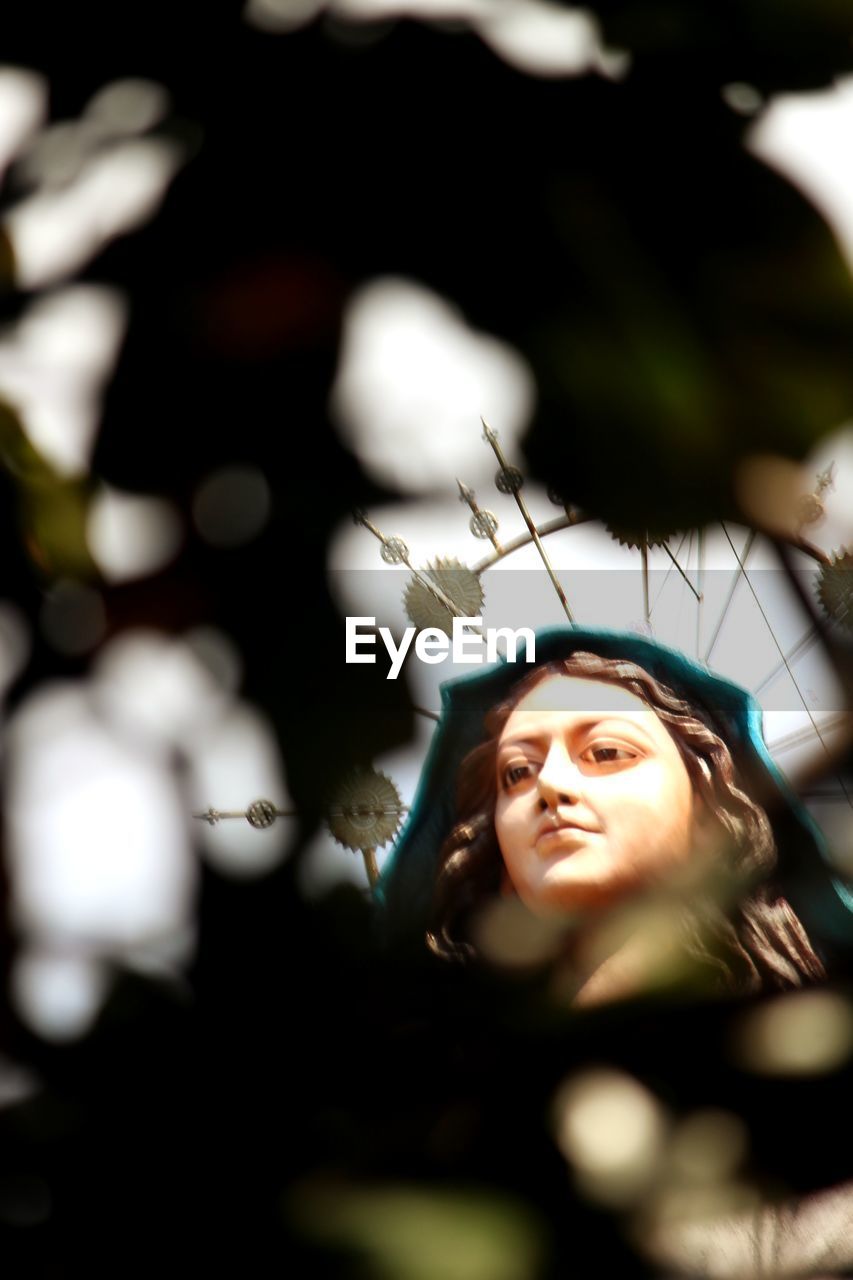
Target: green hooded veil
x: 804, y: 873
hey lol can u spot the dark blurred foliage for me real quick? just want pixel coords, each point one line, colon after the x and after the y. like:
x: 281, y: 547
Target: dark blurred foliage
x: 681, y: 306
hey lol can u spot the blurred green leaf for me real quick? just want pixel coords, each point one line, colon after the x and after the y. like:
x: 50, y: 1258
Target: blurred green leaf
x: 420, y: 1233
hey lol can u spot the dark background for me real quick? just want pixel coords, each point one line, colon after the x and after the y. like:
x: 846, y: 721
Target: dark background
x: 611, y: 232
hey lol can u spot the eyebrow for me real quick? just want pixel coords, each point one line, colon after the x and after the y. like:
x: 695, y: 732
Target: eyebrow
x: 582, y: 726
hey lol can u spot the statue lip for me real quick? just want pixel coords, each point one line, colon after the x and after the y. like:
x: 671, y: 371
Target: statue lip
x: 551, y: 825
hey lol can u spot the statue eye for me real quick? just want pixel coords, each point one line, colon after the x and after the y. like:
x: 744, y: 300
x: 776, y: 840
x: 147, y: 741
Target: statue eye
x: 515, y: 772
x: 607, y: 753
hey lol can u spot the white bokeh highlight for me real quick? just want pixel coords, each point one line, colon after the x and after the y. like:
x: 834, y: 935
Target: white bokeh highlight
x: 98, y: 841
x: 413, y: 382
x: 154, y: 689
x: 23, y: 107
x: 179, y: 694
x: 806, y: 136
x: 55, y: 232
x: 102, y: 778
x: 612, y: 1131
x: 58, y: 995
x: 279, y: 16
x: 131, y: 535
x: 54, y: 366
x: 57, y: 154
x: 544, y: 39
x: 129, y: 106
x: 537, y: 37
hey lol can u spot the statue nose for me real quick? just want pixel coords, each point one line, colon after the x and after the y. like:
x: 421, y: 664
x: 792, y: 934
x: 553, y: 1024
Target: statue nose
x: 554, y: 801
x: 558, y: 780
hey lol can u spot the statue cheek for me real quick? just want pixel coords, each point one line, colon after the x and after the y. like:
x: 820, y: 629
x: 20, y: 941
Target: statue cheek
x: 649, y: 830
x: 512, y: 841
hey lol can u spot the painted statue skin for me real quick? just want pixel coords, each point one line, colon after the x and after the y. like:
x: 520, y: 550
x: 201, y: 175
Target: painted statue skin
x: 594, y: 801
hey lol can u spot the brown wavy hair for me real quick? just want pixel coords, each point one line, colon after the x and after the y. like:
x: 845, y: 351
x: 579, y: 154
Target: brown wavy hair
x: 758, y: 944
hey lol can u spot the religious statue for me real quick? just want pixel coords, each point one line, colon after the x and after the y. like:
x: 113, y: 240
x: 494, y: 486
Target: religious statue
x: 613, y: 772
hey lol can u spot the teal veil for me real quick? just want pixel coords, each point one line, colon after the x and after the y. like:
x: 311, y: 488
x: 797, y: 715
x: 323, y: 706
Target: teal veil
x: 823, y: 902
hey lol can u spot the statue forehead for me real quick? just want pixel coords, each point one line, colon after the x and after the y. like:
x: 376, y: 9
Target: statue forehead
x: 565, y: 693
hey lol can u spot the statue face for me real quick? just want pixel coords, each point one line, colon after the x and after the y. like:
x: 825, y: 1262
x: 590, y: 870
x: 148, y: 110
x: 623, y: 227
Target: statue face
x: 594, y: 800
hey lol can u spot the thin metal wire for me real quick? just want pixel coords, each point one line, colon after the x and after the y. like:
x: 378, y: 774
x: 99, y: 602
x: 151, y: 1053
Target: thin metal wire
x: 750, y: 543
x: 668, y: 572
x: 700, y: 581
x: 644, y: 553
x: 424, y: 579
x: 468, y: 496
x: 528, y: 520
x: 800, y: 694
x: 214, y: 815
x: 679, y: 568
x: 805, y: 642
x: 525, y: 539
